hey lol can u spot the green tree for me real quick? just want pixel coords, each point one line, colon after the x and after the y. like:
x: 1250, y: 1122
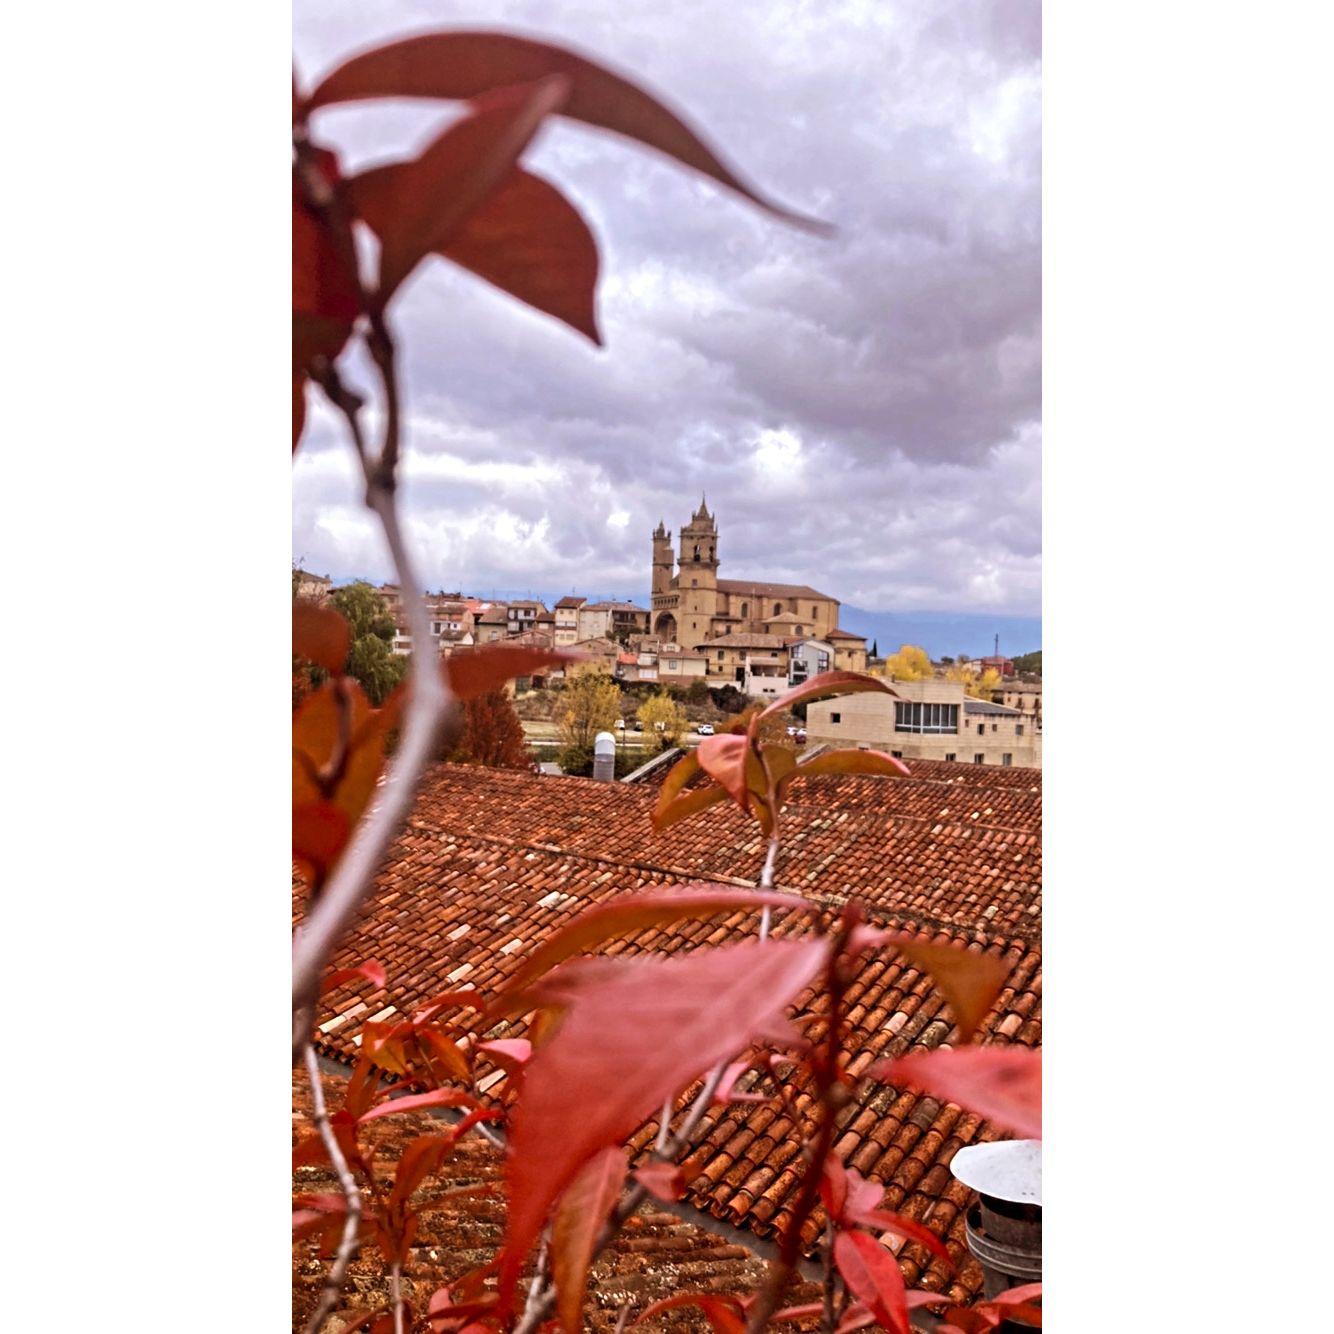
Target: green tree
x: 591, y: 705
x: 375, y: 667
x: 1029, y: 663
x: 663, y: 719
x: 910, y: 663
x: 371, y: 662
x: 365, y: 611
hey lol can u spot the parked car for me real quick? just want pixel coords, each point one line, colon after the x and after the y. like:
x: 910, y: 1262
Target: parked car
x: 620, y: 724
x: 637, y: 725
x: 800, y: 736
x: 792, y: 731
x: 704, y: 729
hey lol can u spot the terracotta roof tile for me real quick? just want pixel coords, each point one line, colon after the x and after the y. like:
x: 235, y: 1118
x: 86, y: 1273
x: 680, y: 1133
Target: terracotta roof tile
x: 515, y: 857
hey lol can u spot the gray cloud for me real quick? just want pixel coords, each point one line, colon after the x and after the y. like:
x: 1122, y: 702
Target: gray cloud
x: 864, y: 412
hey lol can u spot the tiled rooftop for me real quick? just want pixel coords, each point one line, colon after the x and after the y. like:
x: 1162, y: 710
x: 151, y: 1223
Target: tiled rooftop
x: 493, y: 862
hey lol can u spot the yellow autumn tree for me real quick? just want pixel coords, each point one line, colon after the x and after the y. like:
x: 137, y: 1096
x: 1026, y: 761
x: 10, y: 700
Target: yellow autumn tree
x: 663, y: 718
x: 910, y: 663
x: 980, y: 685
x: 591, y: 704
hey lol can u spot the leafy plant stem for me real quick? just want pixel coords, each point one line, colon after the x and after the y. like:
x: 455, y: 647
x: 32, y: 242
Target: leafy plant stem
x: 827, y: 1089
x: 333, y: 1282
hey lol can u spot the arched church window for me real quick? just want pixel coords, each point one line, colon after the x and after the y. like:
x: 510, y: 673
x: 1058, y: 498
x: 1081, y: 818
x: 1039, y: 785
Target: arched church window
x: 696, y: 550
x: 745, y: 609
x: 778, y: 607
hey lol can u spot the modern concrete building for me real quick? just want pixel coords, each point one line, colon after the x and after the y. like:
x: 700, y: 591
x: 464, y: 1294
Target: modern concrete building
x: 930, y: 720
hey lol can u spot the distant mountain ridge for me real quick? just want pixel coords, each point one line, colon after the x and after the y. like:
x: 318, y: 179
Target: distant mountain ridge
x: 945, y: 634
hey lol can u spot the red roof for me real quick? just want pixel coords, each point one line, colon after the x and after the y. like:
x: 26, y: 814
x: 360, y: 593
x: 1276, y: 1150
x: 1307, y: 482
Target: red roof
x: 493, y: 862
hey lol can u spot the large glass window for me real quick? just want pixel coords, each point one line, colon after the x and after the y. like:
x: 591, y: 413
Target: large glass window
x: 910, y: 716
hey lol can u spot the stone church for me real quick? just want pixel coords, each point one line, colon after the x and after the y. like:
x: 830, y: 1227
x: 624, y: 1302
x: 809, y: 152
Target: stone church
x: 693, y: 606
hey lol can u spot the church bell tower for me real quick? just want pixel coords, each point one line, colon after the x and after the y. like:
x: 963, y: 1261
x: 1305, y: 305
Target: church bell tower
x: 698, y: 578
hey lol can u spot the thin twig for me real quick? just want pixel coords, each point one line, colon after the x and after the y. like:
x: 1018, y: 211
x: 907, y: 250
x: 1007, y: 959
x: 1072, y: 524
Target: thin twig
x: 333, y: 1281
x: 624, y: 1318
x: 396, y: 1295
x: 826, y: 1073
x: 428, y: 705
x: 767, y: 880
x: 829, y: 1321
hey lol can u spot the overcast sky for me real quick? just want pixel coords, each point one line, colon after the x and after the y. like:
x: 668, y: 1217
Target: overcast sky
x: 863, y: 412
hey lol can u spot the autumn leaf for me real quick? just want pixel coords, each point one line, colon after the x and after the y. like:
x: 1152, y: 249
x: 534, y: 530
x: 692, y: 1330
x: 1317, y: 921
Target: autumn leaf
x: 372, y: 970
x: 852, y: 762
x: 580, y: 1213
x: 530, y: 241
x: 873, y: 1277
x: 1004, y: 1084
x: 636, y: 912
x: 479, y: 671
x: 969, y: 982
x: 724, y: 1312
x: 321, y: 635
x: 822, y: 687
x: 415, y: 1102
x: 418, y: 206
x: 634, y: 1032
x: 459, y: 65
x: 664, y: 1181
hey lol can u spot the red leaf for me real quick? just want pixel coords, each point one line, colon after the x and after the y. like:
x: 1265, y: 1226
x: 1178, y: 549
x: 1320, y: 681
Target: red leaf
x: 724, y: 1313
x: 664, y: 1181
x: 319, y: 834
x: 852, y: 762
x: 418, y: 206
x: 822, y: 687
x: 479, y: 671
x: 445, y: 1050
x: 881, y: 1220
x: 298, y: 408
x: 1004, y: 1084
x: 464, y: 64
x: 508, y: 1053
x: 420, y: 1158
x: 873, y: 1276
x: 414, y: 1102
x: 726, y: 1090
x: 668, y: 813
x: 580, y: 1214
x: 322, y: 285
x: 635, y: 912
x: 723, y: 758
x: 834, y: 1188
x: 970, y: 982
x: 372, y: 970
x: 530, y: 241
x: 321, y: 635
x: 447, y: 1000
x: 634, y: 1033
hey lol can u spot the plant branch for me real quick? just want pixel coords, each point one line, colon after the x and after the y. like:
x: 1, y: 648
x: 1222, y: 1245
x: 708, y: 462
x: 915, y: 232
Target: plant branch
x: 396, y: 1295
x: 428, y: 705
x: 333, y: 1282
x: 828, y: 1090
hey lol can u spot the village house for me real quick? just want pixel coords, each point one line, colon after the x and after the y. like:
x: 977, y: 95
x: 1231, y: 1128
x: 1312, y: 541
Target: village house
x: 931, y: 720
x: 565, y: 616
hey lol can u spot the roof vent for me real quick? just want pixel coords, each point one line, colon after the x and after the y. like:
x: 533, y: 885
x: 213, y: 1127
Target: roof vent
x: 1005, y: 1224
x: 604, y: 757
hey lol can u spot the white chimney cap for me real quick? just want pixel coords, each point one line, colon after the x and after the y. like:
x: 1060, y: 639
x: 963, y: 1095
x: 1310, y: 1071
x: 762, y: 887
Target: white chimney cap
x: 1006, y: 1170
x: 604, y: 744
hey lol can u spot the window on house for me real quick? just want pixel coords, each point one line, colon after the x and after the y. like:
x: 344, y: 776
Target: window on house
x: 1007, y: 759
x: 981, y: 729
x: 1018, y: 729
x: 801, y: 630
x: 977, y: 759
x: 745, y: 609
x: 913, y: 717
x: 720, y: 655
x: 897, y: 754
x: 951, y: 757
x: 835, y: 717
x: 994, y: 727
x: 815, y: 613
